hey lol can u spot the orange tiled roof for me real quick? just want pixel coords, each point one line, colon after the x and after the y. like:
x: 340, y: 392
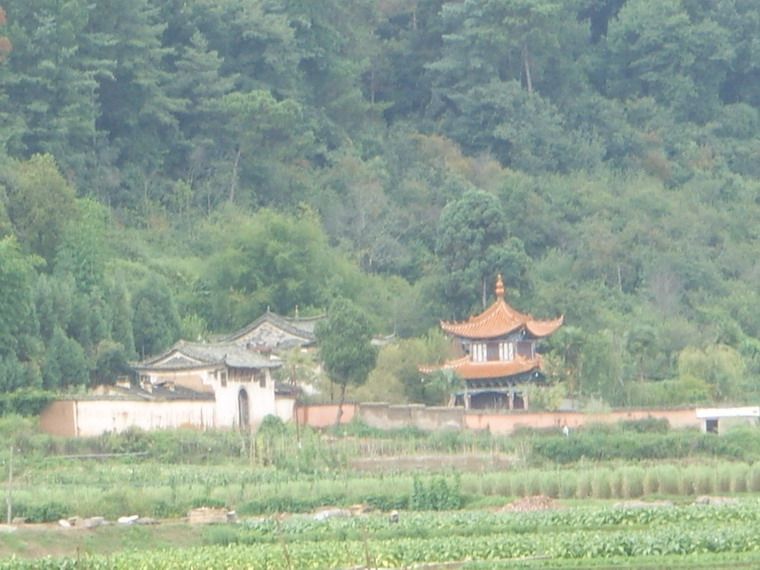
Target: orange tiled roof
x: 500, y: 319
x: 469, y: 370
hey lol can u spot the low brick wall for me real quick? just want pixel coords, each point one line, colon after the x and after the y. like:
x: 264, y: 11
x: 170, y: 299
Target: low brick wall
x: 324, y: 415
x: 386, y: 416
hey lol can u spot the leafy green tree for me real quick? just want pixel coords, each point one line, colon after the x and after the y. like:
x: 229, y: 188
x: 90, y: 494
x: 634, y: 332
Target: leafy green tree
x: 53, y: 297
x: 271, y: 261
x: 53, y: 80
x: 411, y: 37
x: 16, y: 375
x: 345, y: 348
x: 199, y: 85
x: 567, y: 346
x: 17, y: 317
x: 83, y: 251
x: 336, y: 44
x: 40, y: 204
x: 720, y: 366
x: 271, y: 135
x: 111, y: 362
x: 156, y: 320
x: 397, y: 378
x: 487, y: 83
x: 668, y: 52
x: 473, y: 246
x: 65, y: 363
x: 641, y: 343
x: 136, y: 109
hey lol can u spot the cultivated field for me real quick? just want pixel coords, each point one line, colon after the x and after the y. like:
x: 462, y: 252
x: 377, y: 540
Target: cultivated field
x: 637, y: 496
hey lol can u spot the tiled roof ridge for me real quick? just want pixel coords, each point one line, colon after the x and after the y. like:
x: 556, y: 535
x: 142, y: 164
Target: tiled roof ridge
x: 500, y: 319
x: 209, y: 354
x: 469, y: 369
x: 288, y: 324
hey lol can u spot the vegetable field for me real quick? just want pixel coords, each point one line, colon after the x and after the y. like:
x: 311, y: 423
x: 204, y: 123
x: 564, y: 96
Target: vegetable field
x: 447, y: 516
x: 585, y: 537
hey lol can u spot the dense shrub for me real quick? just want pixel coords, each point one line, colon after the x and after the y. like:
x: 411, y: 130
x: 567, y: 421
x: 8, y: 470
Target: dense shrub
x: 602, y: 446
x: 43, y: 512
x: 436, y: 495
x: 289, y: 504
x: 25, y: 402
x: 647, y: 425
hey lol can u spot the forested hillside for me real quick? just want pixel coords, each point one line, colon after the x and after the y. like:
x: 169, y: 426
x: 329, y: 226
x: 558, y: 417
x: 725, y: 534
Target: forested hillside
x: 172, y: 168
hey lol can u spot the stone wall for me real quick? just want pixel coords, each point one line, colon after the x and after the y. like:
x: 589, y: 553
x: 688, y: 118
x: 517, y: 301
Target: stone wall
x: 84, y: 418
x: 386, y: 416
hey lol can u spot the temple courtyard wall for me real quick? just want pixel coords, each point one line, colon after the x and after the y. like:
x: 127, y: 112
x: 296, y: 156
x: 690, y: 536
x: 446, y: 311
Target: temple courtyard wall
x: 387, y: 416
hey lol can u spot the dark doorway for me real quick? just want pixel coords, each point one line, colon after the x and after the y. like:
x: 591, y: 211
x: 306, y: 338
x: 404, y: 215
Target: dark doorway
x: 244, y: 411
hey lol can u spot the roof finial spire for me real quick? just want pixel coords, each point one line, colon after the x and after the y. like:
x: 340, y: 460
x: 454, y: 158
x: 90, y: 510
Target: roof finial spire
x: 499, y: 287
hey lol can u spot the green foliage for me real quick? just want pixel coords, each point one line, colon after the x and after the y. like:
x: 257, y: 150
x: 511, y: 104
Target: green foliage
x: 436, y: 495
x: 156, y: 320
x: 634, y: 446
x: 43, y: 512
x: 601, y: 155
x: 473, y: 245
x: 344, y: 344
x: 41, y: 203
x: 25, y: 401
x: 271, y: 261
x: 16, y: 279
x: 65, y: 363
x: 720, y: 366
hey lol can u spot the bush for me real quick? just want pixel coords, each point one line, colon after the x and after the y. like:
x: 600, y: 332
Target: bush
x: 437, y: 495
x: 601, y: 445
x: 209, y: 502
x: 647, y: 425
x: 286, y: 504
x: 43, y: 512
x: 633, y: 482
x: 25, y: 402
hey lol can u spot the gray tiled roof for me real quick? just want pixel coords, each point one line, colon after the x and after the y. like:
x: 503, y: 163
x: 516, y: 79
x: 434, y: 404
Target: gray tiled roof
x: 296, y: 326
x: 187, y: 355
x: 157, y: 392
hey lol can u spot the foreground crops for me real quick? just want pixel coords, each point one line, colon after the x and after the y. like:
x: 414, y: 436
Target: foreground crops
x: 372, y: 541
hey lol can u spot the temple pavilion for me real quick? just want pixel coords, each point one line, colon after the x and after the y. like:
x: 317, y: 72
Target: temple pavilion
x: 495, y: 354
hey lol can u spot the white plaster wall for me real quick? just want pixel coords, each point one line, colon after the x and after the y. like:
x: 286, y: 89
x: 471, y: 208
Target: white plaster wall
x: 285, y: 408
x: 261, y: 402
x: 95, y: 417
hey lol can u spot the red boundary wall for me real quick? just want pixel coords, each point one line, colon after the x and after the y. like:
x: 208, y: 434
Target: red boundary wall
x: 386, y: 416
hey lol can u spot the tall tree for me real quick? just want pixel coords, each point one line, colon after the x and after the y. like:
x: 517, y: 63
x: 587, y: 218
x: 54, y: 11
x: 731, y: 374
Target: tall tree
x: 136, y: 109
x: 52, y: 80
x: 41, y: 204
x: 198, y: 84
x: 670, y: 53
x: 345, y: 348
x: 65, y: 363
x: 271, y: 261
x: 473, y: 246
x: 271, y: 137
x: 17, y: 275
x: 156, y: 320
x: 83, y: 250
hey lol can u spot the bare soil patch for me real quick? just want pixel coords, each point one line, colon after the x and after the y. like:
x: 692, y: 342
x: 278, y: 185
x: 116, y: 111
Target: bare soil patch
x: 433, y: 462
x: 535, y: 503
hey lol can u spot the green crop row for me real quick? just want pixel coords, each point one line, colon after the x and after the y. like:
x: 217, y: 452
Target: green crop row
x: 685, y: 538
x: 158, y: 491
x: 478, y: 523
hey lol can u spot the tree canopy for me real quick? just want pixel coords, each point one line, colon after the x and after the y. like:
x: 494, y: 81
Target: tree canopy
x: 177, y: 167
